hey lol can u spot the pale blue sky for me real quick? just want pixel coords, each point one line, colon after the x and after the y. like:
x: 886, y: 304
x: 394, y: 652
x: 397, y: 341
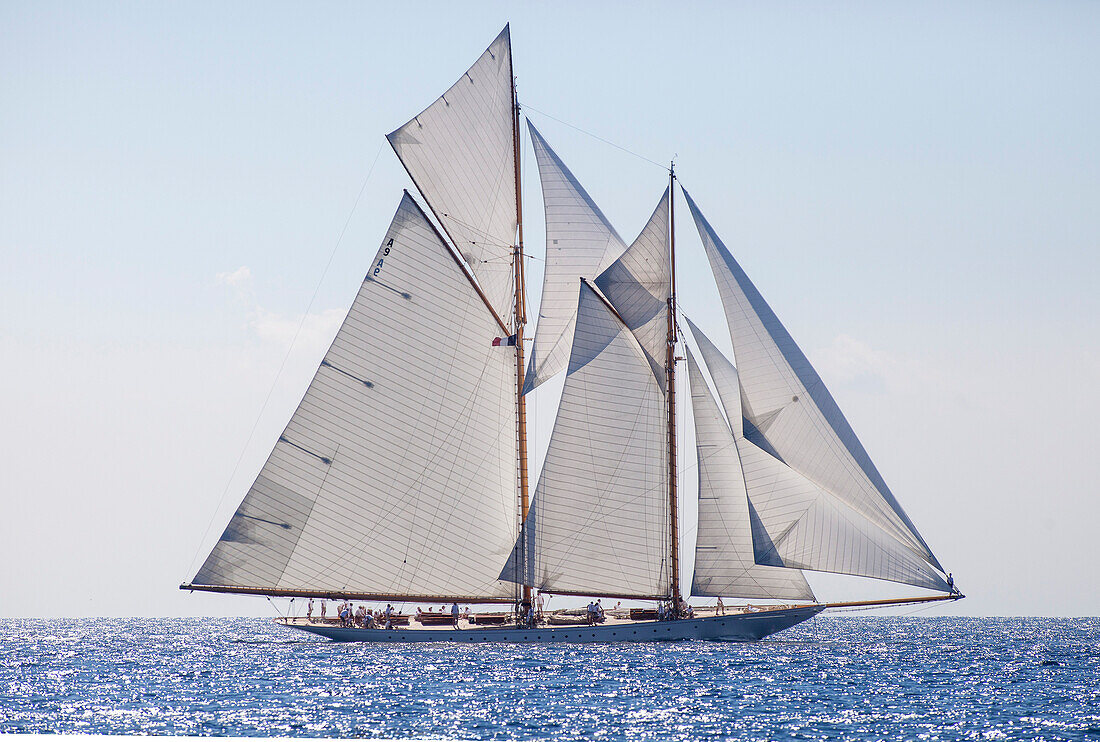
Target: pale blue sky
x: 913, y: 187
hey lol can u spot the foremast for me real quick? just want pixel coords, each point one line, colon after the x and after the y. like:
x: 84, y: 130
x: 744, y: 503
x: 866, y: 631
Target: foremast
x: 520, y: 316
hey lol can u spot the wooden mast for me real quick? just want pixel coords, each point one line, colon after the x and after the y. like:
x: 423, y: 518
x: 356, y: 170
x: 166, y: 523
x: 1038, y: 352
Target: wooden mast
x: 670, y: 370
x: 520, y: 321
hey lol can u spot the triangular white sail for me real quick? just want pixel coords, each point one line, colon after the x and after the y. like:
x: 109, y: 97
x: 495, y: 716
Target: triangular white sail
x: 460, y: 152
x: 724, y: 556
x: 638, y: 286
x: 796, y: 523
x: 599, y: 521
x: 397, y: 473
x: 724, y: 375
x: 787, y: 409
x: 580, y: 241
x: 799, y: 524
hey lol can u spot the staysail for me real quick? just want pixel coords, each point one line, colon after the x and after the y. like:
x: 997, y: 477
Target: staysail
x: 788, y: 411
x: 797, y: 523
x: 396, y: 475
x: 638, y: 283
x: 580, y: 241
x: 598, y: 523
x: 460, y: 152
x: 724, y: 556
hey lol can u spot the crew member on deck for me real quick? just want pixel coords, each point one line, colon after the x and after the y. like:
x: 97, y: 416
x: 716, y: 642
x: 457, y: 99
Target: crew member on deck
x: 454, y: 613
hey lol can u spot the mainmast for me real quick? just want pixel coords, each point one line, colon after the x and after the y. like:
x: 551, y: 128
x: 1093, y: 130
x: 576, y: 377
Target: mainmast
x: 520, y: 312
x: 670, y: 370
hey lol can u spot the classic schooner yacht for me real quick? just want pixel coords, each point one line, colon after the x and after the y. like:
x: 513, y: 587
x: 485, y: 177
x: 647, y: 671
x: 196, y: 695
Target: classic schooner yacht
x: 402, y: 476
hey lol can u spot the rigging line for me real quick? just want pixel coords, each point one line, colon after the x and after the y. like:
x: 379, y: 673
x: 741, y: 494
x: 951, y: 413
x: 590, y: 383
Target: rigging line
x: 282, y: 366
x: 596, y: 136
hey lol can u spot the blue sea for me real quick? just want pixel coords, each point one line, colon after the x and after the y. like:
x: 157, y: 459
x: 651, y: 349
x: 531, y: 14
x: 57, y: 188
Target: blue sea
x: 836, y: 678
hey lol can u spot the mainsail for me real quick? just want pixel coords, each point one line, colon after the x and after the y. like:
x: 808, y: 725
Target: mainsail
x: 580, y: 241
x: 396, y: 476
x: 787, y: 408
x: 460, y: 152
x: 598, y: 523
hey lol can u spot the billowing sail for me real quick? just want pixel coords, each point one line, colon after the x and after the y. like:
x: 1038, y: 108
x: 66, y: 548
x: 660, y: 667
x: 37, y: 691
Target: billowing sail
x: 460, y: 152
x: 788, y: 411
x: 599, y: 521
x: 579, y: 243
x: 397, y: 473
x: 638, y: 286
x: 796, y: 523
x: 724, y: 375
x: 724, y: 558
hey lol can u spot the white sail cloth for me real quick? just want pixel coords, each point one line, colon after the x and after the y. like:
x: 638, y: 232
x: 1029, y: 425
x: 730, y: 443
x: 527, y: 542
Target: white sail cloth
x: 460, y: 152
x: 397, y: 472
x: 639, y: 283
x: 598, y: 524
x: 799, y: 524
x: 580, y: 242
x: 787, y: 408
x: 724, y: 557
x: 723, y: 374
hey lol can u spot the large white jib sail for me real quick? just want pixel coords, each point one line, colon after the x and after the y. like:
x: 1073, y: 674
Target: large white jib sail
x: 816, y: 500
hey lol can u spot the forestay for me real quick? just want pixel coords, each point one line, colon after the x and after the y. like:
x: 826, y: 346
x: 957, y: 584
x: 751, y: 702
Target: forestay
x: 598, y: 524
x: 638, y: 286
x: 580, y: 242
x: 724, y: 556
x: 460, y: 153
x: 397, y: 473
x: 788, y: 411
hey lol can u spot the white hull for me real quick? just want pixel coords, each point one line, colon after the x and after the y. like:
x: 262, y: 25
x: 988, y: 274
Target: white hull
x: 735, y: 627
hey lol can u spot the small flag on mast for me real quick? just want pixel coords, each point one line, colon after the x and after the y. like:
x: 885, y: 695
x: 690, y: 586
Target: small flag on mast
x: 510, y: 340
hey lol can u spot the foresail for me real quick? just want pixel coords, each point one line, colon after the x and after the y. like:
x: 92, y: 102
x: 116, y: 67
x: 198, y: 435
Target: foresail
x: 598, y: 523
x: 797, y: 523
x: 724, y: 557
x: 580, y: 241
x: 460, y: 152
x: 724, y: 375
x: 638, y: 286
x: 396, y: 475
x: 787, y: 409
